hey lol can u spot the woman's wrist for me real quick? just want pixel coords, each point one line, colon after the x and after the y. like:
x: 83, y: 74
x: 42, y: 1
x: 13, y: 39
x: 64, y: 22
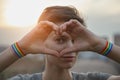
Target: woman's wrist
x: 24, y: 47
x: 99, y: 45
x: 103, y: 47
x: 19, y: 49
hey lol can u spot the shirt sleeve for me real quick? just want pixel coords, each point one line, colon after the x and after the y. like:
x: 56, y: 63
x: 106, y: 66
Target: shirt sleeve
x: 18, y: 77
x: 97, y: 76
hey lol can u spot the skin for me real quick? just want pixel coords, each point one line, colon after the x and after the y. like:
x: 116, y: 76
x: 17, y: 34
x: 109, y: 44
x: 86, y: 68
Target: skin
x: 59, y: 41
x: 85, y: 40
x: 32, y: 42
x: 59, y: 65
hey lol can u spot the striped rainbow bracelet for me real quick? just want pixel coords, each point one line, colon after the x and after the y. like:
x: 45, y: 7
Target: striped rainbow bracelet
x: 17, y: 50
x: 107, y: 49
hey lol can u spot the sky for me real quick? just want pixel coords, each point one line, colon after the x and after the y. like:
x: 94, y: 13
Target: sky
x: 18, y: 17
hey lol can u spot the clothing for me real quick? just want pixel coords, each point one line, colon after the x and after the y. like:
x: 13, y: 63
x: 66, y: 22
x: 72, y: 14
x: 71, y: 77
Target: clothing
x: 76, y: 76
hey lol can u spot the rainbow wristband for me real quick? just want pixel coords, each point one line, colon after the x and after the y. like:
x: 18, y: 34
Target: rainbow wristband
x: 107, y: 49
x: 18, y: 52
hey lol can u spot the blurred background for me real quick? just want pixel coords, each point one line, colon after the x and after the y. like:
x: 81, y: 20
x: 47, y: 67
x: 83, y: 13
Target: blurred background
x: 17, y: 17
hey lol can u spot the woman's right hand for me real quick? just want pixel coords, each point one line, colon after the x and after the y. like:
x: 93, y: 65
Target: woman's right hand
x: 33, y: 42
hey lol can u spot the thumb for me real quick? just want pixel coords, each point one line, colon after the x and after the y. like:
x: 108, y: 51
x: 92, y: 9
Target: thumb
x: 69, y: 50
x: 51, y: 52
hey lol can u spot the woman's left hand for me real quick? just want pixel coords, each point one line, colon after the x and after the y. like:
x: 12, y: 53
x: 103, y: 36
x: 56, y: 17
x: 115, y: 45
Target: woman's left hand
x: 84, y: 40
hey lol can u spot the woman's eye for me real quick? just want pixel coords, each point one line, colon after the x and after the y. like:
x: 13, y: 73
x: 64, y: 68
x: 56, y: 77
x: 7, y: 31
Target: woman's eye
x: 60, y: 40
x: 72, y: 41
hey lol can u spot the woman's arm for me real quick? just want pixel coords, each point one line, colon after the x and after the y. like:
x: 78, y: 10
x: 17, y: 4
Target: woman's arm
x: 85, y: 40
x: 31, y: 43
x: 114, y: 53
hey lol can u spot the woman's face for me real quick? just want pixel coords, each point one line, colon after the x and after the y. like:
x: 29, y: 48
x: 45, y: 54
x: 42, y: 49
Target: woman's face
x: 58, y: 43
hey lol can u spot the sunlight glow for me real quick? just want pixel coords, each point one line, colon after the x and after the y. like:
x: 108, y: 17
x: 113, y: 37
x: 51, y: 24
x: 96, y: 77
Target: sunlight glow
x: 22, y: 13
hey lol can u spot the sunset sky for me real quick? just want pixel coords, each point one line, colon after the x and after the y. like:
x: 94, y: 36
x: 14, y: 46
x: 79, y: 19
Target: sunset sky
x: 17, y: 17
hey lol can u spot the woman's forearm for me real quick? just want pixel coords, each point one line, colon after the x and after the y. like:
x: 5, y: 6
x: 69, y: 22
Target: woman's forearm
x: 7, y: 57
x: 115, y: 53
x: 33, y: 42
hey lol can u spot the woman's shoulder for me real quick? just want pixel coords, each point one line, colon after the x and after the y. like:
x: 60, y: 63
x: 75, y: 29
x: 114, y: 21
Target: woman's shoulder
x: 90, y: 76
x: 35, y: 76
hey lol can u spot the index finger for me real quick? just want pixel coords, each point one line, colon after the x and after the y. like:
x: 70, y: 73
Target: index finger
x: 50, y: 24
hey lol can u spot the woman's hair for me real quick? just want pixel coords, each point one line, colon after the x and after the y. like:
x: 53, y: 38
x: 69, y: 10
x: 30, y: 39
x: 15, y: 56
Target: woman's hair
x: 60, y: 14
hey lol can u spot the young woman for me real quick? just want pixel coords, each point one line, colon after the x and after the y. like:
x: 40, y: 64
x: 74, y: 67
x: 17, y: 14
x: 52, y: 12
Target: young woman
x: 60, y: 34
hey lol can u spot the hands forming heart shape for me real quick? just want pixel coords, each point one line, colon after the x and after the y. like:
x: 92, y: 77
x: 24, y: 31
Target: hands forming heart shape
x: 33, y: 42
